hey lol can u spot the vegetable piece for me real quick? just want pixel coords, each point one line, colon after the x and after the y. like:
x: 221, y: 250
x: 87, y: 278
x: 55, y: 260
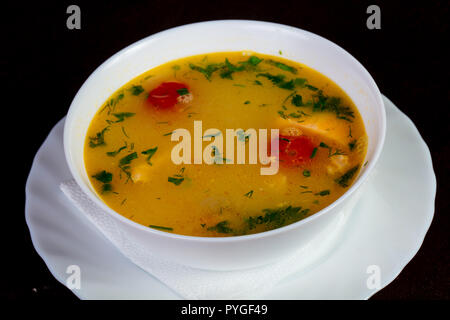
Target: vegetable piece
x: 165, y: 95
x: 295, y: 150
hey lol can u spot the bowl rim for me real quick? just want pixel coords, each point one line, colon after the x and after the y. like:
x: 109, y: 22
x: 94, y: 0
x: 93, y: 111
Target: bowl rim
x: 359, y: 180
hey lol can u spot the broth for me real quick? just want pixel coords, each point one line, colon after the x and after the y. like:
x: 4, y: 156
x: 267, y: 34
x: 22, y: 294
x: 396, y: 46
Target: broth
x: 128, y: 145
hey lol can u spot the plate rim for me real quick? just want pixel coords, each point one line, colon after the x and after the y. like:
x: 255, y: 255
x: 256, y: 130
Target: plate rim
x: 393, y: 274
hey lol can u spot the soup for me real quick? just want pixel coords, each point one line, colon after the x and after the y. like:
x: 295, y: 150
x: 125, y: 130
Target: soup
x: 129, y: 147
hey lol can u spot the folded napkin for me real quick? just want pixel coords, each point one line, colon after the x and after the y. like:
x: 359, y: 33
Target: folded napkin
x: 188, y: 282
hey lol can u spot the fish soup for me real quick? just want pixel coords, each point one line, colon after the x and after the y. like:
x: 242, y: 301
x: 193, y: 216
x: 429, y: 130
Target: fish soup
x: 131, y: 142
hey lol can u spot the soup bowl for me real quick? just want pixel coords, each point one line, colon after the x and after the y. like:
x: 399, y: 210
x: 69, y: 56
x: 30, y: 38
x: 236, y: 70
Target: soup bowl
x: 239, y: 252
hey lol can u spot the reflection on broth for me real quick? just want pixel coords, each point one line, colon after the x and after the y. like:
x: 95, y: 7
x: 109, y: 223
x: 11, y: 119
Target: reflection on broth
x: 131, y: 142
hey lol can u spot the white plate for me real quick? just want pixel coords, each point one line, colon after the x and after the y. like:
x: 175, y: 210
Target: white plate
x: 385, y: 230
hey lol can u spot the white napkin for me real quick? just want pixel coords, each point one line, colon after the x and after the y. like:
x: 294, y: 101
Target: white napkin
x: 188, y: 282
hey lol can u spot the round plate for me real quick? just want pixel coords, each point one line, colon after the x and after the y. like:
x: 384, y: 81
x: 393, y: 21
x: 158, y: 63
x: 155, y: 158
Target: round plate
x: 382, y: 235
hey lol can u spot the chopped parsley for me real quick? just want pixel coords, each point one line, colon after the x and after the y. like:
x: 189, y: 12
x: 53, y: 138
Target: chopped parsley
x: 310, y: 87
x: 103, y: 176
x: 136, y: 90
x: 124, y: 164
x: 106, y: 187
x: 125, y: 133
x: 99, y: 139
x: 114, y: 153
x: 330, y: 149
x: 297, y: 100
x: 175, y: 180
x: 344, y: 180
x: 127, y: 159
x: 221, y: 227
x: 247, y: 102
x: 161, y: 228
x: 111, y: 104
x: 322, y: 103
x: 276, y: 218
x: 257, y: 82
x: 352, y: 145
x: 229, y: 69
x: 249, y: 194
x: 323, y: 193
x: 183, y: 91
x: 306, y: 173
x: 276, y: 80
x: 313, y: 153
x: 149, y: 153
x: 279, y: 81
x: 121, y: 116
x: 207, y: 71
x: 282, y: 66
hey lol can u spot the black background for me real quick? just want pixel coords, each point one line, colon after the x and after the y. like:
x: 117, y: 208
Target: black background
x: 44, y: 64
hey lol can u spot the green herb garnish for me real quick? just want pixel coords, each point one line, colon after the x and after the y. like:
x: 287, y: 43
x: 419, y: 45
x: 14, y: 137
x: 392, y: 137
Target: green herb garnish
x: 279, y: 81
x: 297, y: 100
x: 175, y: 180
x: 343, y: 180
x: 313, y: 153
x: 99, y: 139
x: 310, y: 87
x: 160, y: 227
x: 111, y: 104
x: 121, y: 116
x: 106, y: 187
x: 103, y: 176
x: 149, y: 153
x: 323, y: 193
x: 127, y: 159
x: 249, y: 194
x: 282, y: 66
x: 183, y: 91
x: 114, y: 153
x: 208, y: 71
x: 276, y: 218
x: 221, y: 227
x: 306, y: 173
x: 124, y: 132
x: 136, y: 90
x: 352, y: 145
x: 322, y: 103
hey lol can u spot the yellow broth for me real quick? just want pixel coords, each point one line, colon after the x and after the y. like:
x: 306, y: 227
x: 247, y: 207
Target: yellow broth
x: 247, y: 90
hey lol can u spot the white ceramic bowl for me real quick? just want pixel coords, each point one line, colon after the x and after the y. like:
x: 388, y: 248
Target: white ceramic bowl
x: 229, y: 253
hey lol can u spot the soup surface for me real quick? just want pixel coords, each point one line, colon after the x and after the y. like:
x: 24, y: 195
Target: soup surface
x: 128, y: 148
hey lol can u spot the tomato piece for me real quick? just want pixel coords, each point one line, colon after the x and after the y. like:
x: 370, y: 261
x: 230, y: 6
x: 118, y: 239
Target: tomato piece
x: 295, y: 150
x: 165, y: 95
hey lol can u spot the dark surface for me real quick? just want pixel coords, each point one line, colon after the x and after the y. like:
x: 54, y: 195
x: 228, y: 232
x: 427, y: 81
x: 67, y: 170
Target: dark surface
x: 44, y: 65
